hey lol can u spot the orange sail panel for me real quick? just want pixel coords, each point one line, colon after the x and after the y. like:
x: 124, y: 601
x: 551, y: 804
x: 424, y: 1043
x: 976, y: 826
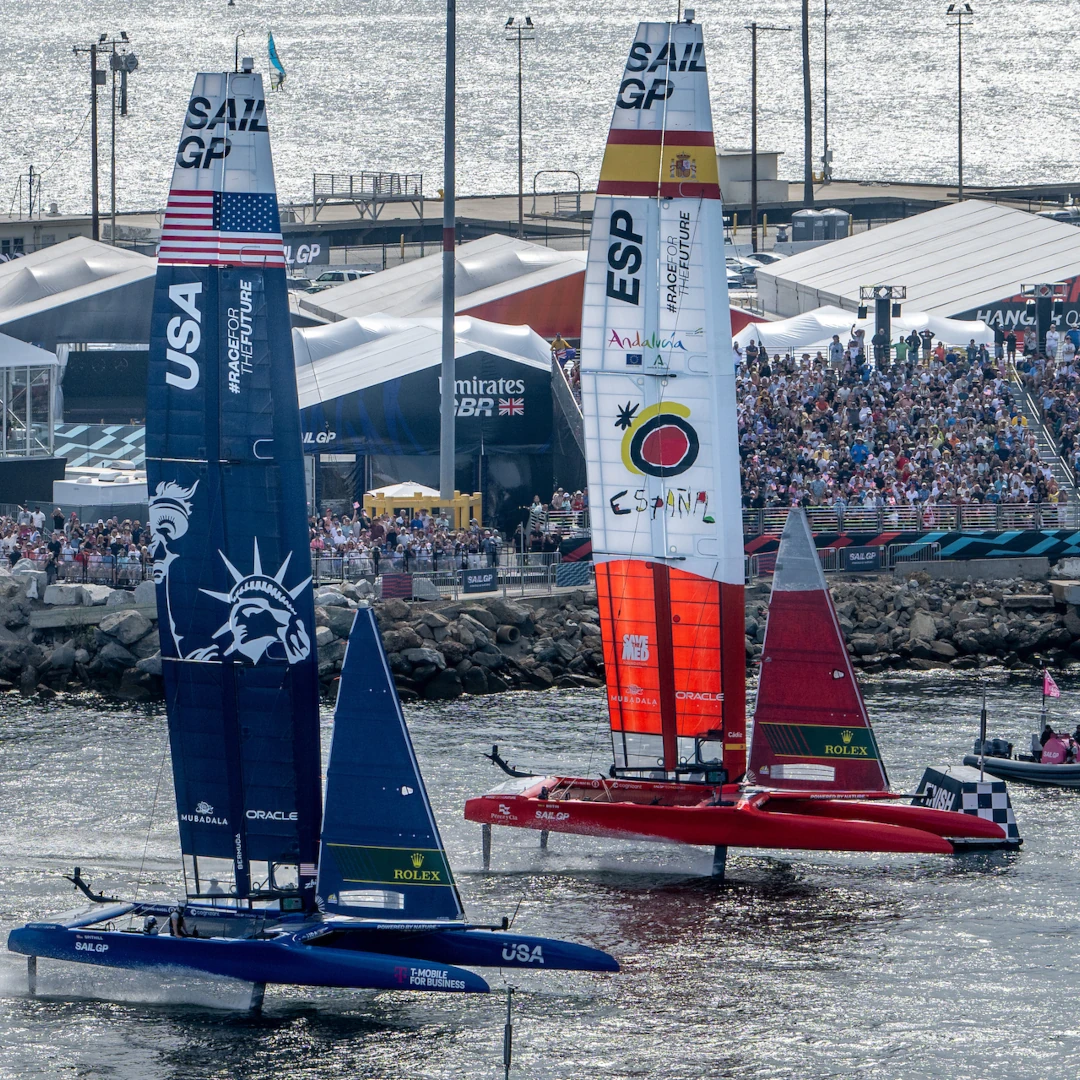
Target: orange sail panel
x: 811, y: 729
x: 663, y: 632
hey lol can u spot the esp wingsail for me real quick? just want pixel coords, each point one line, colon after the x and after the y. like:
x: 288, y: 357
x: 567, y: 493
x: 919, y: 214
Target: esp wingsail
x: 811, y: 728
x: 230, y: 550
x: 658, y: 398
x: 381, y: 850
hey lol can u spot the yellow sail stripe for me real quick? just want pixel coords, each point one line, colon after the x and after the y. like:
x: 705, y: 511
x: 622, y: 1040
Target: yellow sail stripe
x: 669, y: 164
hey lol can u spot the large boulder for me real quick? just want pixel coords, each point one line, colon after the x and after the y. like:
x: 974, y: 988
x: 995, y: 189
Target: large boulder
x: 323, y: 636
x: 394, y: 610
x: 329, y: 598
x: 145, y: 593
x: 95, y: 595
x: 424, y: 656
x: 923, y: 627
x: 62, y: 657
x: 119, y: 598
x: 63, y: 595
x: 506, y: 611
x: 115, y: 656
x: 340, y: 620
x: 127, y: 627
x: 151, y: 665
x: 443, y: 686
x: 424, y: 589
x: 481, y: 615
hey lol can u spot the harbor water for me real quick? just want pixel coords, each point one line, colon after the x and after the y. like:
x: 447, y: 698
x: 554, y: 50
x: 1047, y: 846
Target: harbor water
x: 365, y: 79
x: 801, y: 966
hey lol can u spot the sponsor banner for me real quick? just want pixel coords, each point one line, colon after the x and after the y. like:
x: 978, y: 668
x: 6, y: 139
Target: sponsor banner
x: 306, y: 249
x: 391, y: 866
x: 820, y: 741
x: 482, y: 580
x: 861, y: 558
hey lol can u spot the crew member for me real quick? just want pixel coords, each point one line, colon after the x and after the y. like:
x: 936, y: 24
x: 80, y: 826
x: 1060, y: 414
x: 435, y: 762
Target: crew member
x: 176, y: 923
x: 150, y: 926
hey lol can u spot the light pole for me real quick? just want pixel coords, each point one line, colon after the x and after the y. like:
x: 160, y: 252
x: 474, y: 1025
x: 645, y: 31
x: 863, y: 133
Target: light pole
x: 963, y: 15
x: 808, y: 117
x: 447, y: 443
x: 520, y: 32
x: 97, y: 78
x: 826, y: 163
x: 123, y: 62
x: 754, y: 29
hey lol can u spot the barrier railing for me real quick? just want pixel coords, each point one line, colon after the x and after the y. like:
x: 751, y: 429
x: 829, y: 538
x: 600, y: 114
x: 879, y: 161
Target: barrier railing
x: 903, y: 554
x: 923, y: 518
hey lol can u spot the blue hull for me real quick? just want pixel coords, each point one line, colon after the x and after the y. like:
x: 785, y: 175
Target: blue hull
x: 281, y: 961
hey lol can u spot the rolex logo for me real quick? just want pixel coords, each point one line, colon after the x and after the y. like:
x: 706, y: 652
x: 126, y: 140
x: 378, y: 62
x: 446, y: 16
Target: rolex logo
x: 417, y: 859
x: 846, y: 736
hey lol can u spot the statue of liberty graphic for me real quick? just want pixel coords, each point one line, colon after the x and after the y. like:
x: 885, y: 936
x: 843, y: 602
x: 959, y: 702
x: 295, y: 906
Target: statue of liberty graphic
x: 262, y: 621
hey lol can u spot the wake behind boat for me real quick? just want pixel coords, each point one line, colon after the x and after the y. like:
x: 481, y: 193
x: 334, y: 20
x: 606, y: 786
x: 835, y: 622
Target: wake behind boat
x: 658, y: 400
x: 278, y: 890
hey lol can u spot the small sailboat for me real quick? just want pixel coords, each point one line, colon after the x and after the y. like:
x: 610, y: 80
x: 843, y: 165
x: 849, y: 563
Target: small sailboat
x: 278, y: 889
x: 659, y: 407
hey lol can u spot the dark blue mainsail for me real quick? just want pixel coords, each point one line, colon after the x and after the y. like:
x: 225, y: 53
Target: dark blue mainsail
x: 227, y: 512
x: 381, y: 850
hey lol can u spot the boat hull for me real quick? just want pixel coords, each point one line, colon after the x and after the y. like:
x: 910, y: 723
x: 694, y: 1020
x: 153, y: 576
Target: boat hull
x: 279, y: 961
x: 708, y: 816
x: 1028, y: 772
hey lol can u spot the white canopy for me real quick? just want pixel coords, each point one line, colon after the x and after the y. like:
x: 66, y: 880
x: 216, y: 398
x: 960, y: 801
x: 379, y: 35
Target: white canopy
x: 407, y: 490
x: 813, y: 330
x: 15, y: 353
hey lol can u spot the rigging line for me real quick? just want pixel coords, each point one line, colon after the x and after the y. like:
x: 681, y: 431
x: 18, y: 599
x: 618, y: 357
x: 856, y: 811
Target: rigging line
x: 153, y: 811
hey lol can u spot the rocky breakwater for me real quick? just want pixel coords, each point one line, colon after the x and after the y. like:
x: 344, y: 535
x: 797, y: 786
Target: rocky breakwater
x: 922, y: 624
x: 441, y: 650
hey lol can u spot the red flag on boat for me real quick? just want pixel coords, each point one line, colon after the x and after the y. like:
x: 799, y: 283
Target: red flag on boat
x: 1050, y: 688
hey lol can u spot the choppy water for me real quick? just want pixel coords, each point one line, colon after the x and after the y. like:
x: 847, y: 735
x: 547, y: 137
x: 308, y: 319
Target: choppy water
x: 833, y: 966
x: 365, y: 88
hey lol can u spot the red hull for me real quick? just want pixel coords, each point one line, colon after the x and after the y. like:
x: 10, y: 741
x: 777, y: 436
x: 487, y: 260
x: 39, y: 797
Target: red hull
x: 690, y: 814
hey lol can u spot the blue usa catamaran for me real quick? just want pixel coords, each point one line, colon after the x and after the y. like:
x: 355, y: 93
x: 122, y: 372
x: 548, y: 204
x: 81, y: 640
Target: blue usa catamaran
x: 279, y: 888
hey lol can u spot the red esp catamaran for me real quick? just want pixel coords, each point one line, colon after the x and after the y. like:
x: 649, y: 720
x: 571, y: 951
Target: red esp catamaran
x: 659, y: 406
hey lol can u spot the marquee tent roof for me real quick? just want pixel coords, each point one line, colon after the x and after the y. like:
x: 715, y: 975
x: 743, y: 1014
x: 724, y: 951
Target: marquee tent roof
x: 78, y: 291
x: 814, y: 330
x: 497, y: 277
x: 344, y: 357
x: 952, y: 260
x: 15, y: 353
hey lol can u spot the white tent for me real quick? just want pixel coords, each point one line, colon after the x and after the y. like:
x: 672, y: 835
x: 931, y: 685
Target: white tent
x: 813, y: 330
x: 407, y: 490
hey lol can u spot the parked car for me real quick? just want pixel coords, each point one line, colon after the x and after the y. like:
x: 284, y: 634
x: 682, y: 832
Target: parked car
x: 328, y: 279
x: 746, y: 270
x: 764, y: 258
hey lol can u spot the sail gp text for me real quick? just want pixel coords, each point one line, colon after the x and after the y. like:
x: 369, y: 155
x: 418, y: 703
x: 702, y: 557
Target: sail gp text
x: 671, y: 502
x: 239, y: 338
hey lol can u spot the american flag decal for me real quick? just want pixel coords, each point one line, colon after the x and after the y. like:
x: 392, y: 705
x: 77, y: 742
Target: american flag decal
x: 221, y: 228
x: 307, y: 869
x: 514, y: 406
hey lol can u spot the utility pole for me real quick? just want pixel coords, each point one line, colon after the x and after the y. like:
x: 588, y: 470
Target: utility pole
x: 97, y: 78
x: 754, y: 28
x: 808, y: 119
x: 447, y: 443
x: 521, y: 32
x: 963, y: 15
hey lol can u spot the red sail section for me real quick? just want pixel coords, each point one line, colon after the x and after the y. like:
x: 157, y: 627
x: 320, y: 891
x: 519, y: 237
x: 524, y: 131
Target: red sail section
x: 811, y: 730
x: 674, y: 654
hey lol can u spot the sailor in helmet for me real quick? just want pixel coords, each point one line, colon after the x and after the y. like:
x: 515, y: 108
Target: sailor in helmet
x: 176, y: 923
